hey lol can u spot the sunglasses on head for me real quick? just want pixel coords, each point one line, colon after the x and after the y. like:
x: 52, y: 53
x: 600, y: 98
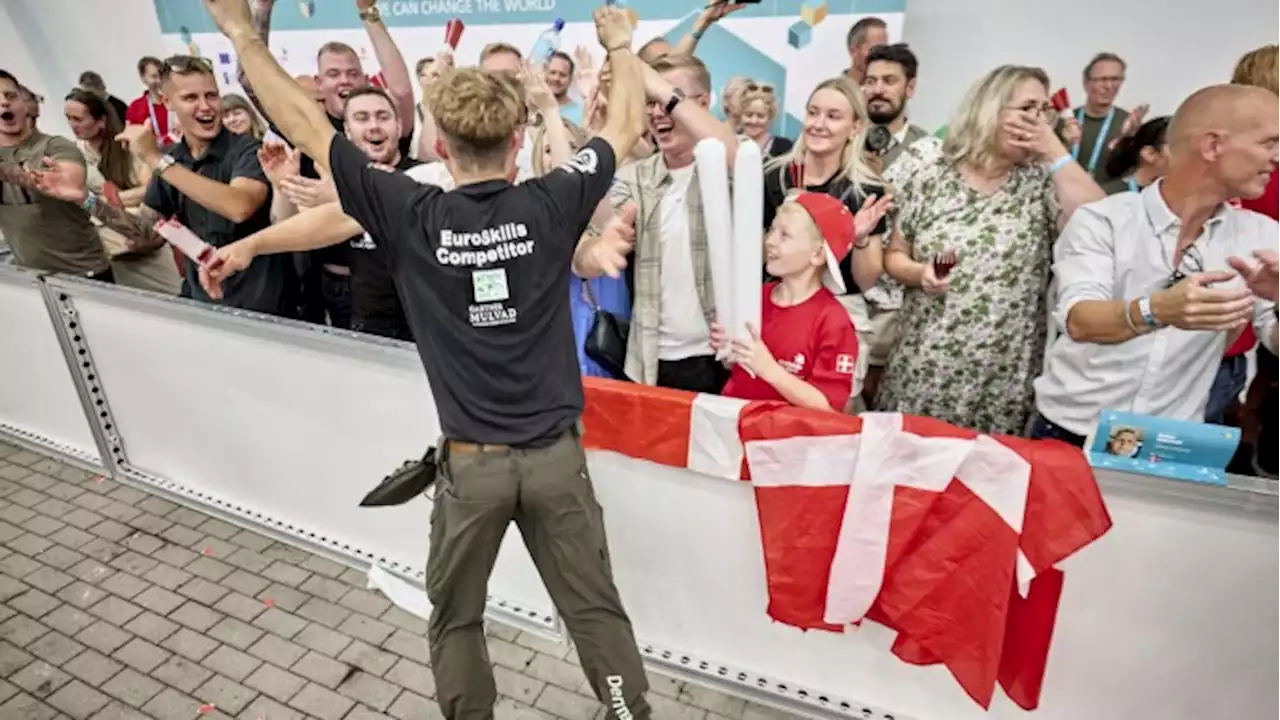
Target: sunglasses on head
x: 758, y: 87
x: 183, y: 64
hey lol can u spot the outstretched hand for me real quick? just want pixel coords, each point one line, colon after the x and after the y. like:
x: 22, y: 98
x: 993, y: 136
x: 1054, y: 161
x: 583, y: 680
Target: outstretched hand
x: 227, y: 261
x: 61, y: 181
x: 1262, y: 279
x: 613, y: 27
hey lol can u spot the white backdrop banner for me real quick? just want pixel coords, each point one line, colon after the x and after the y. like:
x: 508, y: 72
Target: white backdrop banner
x: 791, y: 44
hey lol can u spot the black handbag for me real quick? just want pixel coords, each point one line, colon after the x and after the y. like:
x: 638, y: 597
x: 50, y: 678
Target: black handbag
x: 606, y: 342
x: 408, y: 482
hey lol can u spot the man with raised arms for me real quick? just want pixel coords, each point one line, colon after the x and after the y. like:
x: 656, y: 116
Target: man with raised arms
x: 511, y: 448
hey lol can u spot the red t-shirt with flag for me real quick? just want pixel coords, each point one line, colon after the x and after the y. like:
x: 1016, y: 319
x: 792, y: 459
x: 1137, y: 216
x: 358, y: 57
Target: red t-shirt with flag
x: 814, y: 341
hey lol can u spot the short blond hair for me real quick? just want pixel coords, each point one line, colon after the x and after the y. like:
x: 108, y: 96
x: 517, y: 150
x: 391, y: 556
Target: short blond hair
x: 696, y: 68
x: 1260, y: 68
x: 477, y: 113
x: 761, y: 94
x: 495, y: 48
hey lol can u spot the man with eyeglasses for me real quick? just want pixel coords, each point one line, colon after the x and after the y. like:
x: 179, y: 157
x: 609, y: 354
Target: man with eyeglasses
x: 1102, y: 123
x: 210, y: 181
x: 1155, y: 285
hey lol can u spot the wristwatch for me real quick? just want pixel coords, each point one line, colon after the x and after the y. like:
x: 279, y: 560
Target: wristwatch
x: 676, y: 96
x: 371, y: 14
x: 166, y: 161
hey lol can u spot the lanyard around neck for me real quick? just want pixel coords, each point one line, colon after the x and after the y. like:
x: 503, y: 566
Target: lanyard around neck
x: 1098, y: 143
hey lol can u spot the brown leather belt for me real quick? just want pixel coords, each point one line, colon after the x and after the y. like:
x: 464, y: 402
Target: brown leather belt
x: 466, y: 447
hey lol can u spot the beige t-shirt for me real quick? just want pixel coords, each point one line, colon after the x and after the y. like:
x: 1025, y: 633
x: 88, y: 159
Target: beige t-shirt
x: 44, y: 233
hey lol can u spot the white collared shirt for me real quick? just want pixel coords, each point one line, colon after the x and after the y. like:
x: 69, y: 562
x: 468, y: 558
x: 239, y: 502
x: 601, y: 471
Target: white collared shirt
x: 1121, y: 248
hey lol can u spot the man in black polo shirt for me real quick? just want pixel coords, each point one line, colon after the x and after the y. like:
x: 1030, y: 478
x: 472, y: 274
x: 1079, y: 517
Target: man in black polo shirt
x: 327, y: 271
x: 210, y: 181
x: 482, y: 270
x: 372, y: 124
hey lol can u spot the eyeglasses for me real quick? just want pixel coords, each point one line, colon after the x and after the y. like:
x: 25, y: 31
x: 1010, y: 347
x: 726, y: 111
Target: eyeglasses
x: 183, y: 64
x: 1194, y: 262
x: 1043, y: 110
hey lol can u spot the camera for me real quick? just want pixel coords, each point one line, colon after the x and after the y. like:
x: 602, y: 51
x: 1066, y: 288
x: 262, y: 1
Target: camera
x: 879, y: 139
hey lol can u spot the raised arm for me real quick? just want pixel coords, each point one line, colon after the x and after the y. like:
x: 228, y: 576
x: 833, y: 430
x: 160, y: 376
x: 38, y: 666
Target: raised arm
x: 710, y: 15
x: 391, y: 61
x: 283, y: 101
x: 261, y: 22
x: 312, y: 229
x: 690, y: 114
x: 65, y: 180
x: 625, y: 124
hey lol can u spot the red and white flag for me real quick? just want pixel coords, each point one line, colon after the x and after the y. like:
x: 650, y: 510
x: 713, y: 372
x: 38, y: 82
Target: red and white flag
x: 944, y: 535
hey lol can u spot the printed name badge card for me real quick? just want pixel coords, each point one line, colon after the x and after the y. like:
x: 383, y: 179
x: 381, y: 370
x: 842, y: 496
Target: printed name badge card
x: 1148, y: 445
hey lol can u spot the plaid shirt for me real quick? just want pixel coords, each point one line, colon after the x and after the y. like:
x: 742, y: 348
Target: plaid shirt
x: 646, y: 182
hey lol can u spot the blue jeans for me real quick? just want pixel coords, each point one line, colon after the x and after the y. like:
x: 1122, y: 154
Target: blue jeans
x: 1044, y: 429
x: 1228, y: 383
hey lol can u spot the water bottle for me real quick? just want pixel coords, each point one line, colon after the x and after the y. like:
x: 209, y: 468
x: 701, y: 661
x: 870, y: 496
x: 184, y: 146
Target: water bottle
x: 548, y: 42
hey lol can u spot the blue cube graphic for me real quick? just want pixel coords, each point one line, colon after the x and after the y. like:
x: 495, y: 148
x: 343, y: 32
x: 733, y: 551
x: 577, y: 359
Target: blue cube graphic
x: 799, y: 34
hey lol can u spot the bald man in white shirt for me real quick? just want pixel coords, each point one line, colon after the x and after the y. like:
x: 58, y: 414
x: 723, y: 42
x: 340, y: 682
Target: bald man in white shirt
x: 1155, y: 285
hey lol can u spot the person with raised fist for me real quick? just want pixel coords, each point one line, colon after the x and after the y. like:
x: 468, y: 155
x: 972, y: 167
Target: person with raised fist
x: 482, y: 271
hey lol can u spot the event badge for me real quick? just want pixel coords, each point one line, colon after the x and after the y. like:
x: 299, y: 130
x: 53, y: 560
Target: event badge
x: 490, y: 285
x: 1149, y: 445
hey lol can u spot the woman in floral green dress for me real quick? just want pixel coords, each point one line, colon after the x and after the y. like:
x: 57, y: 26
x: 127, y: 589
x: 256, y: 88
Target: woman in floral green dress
x: 995, y: 193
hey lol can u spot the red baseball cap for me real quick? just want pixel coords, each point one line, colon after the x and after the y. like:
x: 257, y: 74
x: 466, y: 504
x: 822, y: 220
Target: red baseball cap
x: 835, y: 224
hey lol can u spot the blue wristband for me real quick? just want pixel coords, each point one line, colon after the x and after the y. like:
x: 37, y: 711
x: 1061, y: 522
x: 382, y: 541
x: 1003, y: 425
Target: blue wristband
x: 1059, y: 164
x: 1144, y: 309
x: 90, y: 199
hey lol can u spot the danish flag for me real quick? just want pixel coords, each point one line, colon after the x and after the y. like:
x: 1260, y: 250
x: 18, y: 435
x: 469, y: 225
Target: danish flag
x: 845, y: 364
x: 947, y: 536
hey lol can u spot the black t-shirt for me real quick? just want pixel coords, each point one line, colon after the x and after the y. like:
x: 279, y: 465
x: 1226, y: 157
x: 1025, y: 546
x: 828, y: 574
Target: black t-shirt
x: 375, y: 301
x: 482, y: 270
x: 340, y: 254
x: 267, y: 284
x: 775, y: 192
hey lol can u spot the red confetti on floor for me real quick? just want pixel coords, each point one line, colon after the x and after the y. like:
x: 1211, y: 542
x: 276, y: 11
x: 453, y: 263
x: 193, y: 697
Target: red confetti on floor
x: 206, y: 709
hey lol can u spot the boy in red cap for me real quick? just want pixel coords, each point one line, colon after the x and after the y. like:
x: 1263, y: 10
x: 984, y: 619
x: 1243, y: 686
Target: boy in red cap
x: 807, y: 350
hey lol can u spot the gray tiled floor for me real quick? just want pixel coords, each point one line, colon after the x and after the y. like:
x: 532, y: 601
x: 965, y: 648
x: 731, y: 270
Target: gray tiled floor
x: 118, y: 605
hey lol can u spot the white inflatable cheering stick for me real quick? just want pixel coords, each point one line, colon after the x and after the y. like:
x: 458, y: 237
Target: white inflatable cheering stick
x: 713, y: 182
x: 748, y: 240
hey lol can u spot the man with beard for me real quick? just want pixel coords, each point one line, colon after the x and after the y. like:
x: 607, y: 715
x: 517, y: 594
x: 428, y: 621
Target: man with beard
x: 888, y: 83
x: 44, y: 231
x: 371, y: 123
x: 327, y: 272
x: 210, y: 181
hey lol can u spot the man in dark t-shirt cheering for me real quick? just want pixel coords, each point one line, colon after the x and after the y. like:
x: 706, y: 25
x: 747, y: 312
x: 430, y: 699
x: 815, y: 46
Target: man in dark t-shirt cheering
x: 482, y: 272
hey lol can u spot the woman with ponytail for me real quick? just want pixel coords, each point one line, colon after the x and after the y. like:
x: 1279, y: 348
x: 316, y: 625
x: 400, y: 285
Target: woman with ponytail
x: 1139, y: 159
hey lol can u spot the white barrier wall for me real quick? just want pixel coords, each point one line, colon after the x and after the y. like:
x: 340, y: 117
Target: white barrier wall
x: 1173, y: 614
x: 39, y: 403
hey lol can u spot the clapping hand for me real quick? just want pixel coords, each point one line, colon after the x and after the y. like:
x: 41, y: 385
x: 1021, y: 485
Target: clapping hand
x: 1263, y: 278
x: 279, y: 161
x: 60, y: 181
x: 537, y: 94
x: 1134, y: 121
x: 608, y: 254
x: 307, y: 193
x: 869, y: 215
x: 1193, y: 304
